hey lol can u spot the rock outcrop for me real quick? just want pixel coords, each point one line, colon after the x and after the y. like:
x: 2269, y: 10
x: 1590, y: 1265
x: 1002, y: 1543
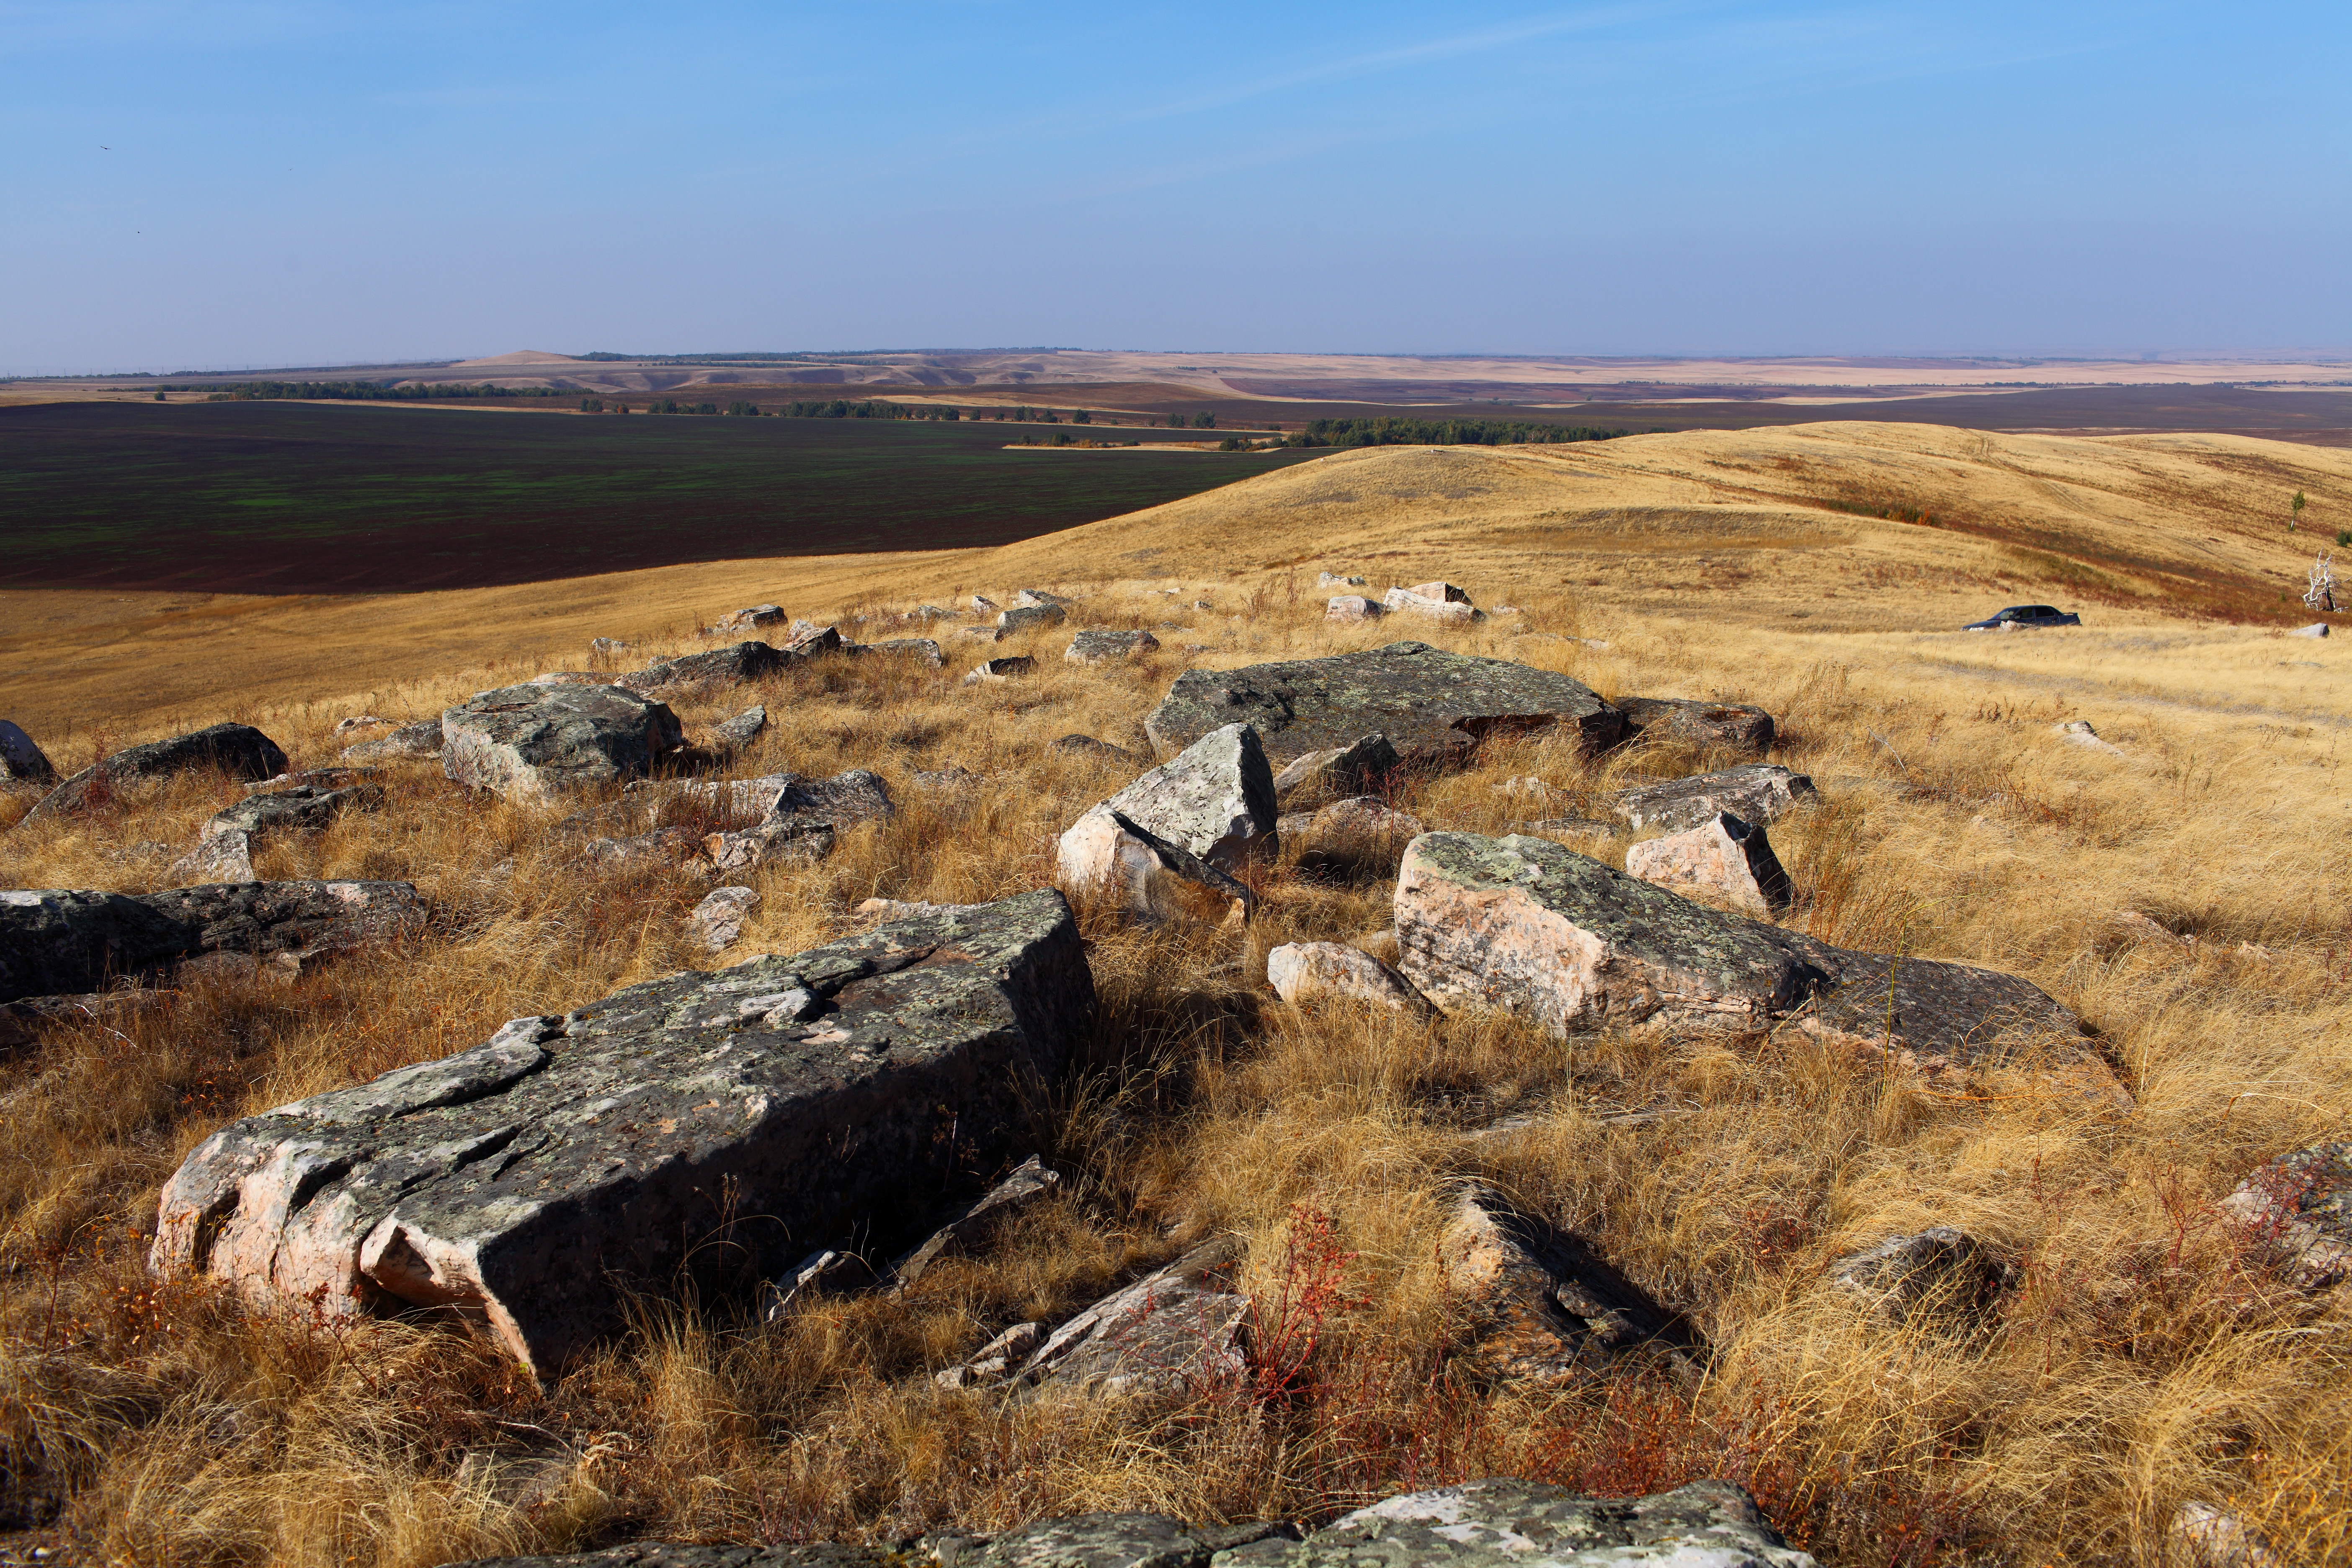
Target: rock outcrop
x: 1757, y: 792
x: 422, y: 739
x: 1108, y: 647
x: 707, y: 671
x: 803, y: 820
x: 1543, y: 1305
x: 510, y: 1181
x: 1173, y: 1331
x: 535, y: 742
x: 1729, y: 726
x: 23, y: 764
x: 2300, y: 1205
x: 1432, y: 706
x: 1214, y: 799
x: 1528, y: 926
x: 1721, y: 861
x: 1303, y: 972
x: 240, y: 751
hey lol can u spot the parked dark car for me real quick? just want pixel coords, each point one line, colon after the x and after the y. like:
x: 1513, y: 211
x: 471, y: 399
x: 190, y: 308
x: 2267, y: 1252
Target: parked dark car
x: 2023, y: 616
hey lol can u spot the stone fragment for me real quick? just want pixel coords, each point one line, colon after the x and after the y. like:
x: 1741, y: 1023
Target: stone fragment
x: 899, y: 909
x: 2149, y: 929
x: 1104, y: 1540
x: 1108, y: 647
x: 828, y: 1271
x: 1544, y: 1307
x: 973, y: 1225
x: 224, y: 857
x: 512, y: 1180
x: 995, y: 1361
x: 720, y: 667
x: 320, y: 779
x: 573, y: 678
x: 1327, y: 970
x: 300, y: 808
x: 804, y: 821
x: 533, y: 743
x: 735, y: 797
x: 1528, y: 926
x: 1336, y: 579
x: 1432, y: 706
x: 240, y: 751
x: 1366, y: 767
x: 1353, y: 607
x: 1175, y: 1329
x: 2300, y: 1205
x: 1087, y: 746
x: 1939, y: 1274
x: 1405, y: 601
x: 1729, y: 726
x: 1214, y: 799
x: 719, y: 920
x: 422, y: 739
x: 993, y: 671
x: 2078, y: 733
x: 23, y: 764
x: 1030, y: 617
x: 2317, y: 629
x: 1721, y: 861
x: 731, y: 735
x: 808, y: 639
x: 1148, y: 879
x: 921, y: 649
x: 1444, y: 593
x: 750, y: 619
x: 1506, y: 1523
x: 1757, y: 792
x: 360, y: 721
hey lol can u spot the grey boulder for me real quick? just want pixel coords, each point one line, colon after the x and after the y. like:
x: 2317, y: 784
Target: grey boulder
x: 1303, y: 972
x: 1087, y: 746
x: 1432, y: 706
x: 21, y: 761
x: 1108, y: 647
x: 1757, y: 792
x: 422, y: 739
x: 532, y: 743
x: 991, y: 672
x: 804, y: 819
x: 1214, y: 799
x: 719, y: 919
x: 923, y: 649
x: 1732, y: 726
x: 240, y: 751
x: 1723, y: 860
x: 513, y: 1180
x: 731, y: 735
x: 719, y: 666
x: 300, y: 808
x: 1029, y: 617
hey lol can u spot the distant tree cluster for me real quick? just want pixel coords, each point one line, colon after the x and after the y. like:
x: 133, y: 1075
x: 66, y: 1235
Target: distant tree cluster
x: 1203, y: 420
x: 1443, y: 433
x: 367, y: 392
x: 841, y: 408
x: 672, y: 405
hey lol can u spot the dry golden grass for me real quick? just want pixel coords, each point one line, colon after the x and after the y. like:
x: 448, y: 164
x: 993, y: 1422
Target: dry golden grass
x: 2143, y: 1360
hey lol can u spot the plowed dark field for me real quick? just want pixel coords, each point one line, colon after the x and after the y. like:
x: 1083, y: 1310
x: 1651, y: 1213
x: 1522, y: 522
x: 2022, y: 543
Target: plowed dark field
x: 277, y: 497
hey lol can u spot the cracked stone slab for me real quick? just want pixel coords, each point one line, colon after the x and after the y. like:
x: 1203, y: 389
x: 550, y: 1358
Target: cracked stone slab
x: 239, y: 750
x: 1432, y: 706
x: 511, y: 1182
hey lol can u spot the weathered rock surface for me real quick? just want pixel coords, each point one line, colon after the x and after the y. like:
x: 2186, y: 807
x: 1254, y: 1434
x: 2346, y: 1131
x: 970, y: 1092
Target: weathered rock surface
x: 1303, y: 972
x: 1082, y: 1540
x: 1149, y: 878
x: 1544, y: 1307
x: 219, y: 858
x: 731, y: 735
x: 1731, y: 726
x: 720, y: 667
x: 923, y: 649
x: 239, y: 750
x: 1108, y: 647
x: 1174, y: 1330
x: 21, y: 761
x: 1941, y: 1273
x: 803, y: 820
x: 1214, y: 799
x: 535, y: 742
x: 2300, y: 1204
x: 1721, y: 861
x: 1030, y: 617
x: 750, y: 618
x: 307, y: 918
x: 808, y: 639
x: 1757, y: 791
x: 1405, y: 601
x: 1364, y: 767
x: 2078, y: 733
x: 992, y: 670
x: 510, y: 1181
x: 301, y: 808
x: 978, y: 1222
x: 737, y: 798
x: 717, y: 921
x: 1528, y: 926
x: 1087, y: 746
x: 422, y: 739
x: 1353, y: 607
x: 661, y: 846
x: 1505, y: 1523
x: 1432, y: 706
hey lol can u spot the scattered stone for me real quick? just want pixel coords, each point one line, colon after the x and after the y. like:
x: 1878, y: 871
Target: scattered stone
x: 2299, y: 1205
x: 317, y: 778
x: 1757, y: 791
x: 989, y: 634
x: 218, y: 857
x: 1432, y: 706
x: 984, y: 606
x: 977, y: 1222
x: 240, y: 751
x: 720, y: 667
x: 1544, y: 1307
x: 1502, y: 609
x: 719, y: 920
x: 1444, y: 593
x: 511, y: 1181
x: 1353, y: 607
x: 2078, y: 733
x: 1336, y: 579
x: 306, y: 919
x: 1148, y: 879
x: 1527, y: 926
x: 809, y: 639
x: 1214, y: 799
x: 607, y: 647
x: 1727, y: 726
x: 1175, y: 1329
x: 929, y: 613
x: 731, y: 735
x: 1721, y: 861
x: 535, y: 742
x: 1034, y: 598
x: 662, y: 847
x: 805, y: 822
x: 301, y: 808
x: 1938, y: 1274
x: 1505, y: 1523
x: 422, y: 739
x: 1201, y: 605
x: 751, y: 619
x: 1029, y: 617
x: 1406, y: 602
x: 1327, y: 970
x: 2317, y: 629
x: 946, y: 781
x: 923, y: 649
x: 360, y: 721
x: 1580, y: 826
x: 1367, y: 766
x: 2211, y: 1537
x: 1105, y: 647
x: 1087, y: 746
x: 995, y: 1361
x: 1360, y: 818
x: 993, y: 671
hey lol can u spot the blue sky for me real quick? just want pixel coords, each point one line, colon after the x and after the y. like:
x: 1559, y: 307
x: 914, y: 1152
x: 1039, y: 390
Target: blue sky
x: 247, y: 183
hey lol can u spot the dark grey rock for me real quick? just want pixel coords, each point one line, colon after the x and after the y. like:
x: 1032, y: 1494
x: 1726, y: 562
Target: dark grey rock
x: 750, y: 618
x: 512, y: 1180
x: 1030, y: 617
x: 1010, y: 667
x: 240, y: 751
x: 1732, y: 726
x: 719, y: 666
x: 1214, y: 799
x: 1175, y: 1329
x: 303, y: 808
x: 2300, y: 1205
x: 731, y: 735
x: 1505, y: 1523
x: 307, y: 918
x: 809, y: 639
x: 1108, y: 647
x: 535, y: 742
x: 21, y: 1020
x: 975, y: 1223
x: 1938, y: 1274
x: 23, y: 764
x: 422, y: 739
x: 1757, y: 792
x: 807, y: 817
x: 1432, y: 706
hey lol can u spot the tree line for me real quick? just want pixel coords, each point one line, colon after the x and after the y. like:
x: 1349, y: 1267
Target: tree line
x: 365, y: 392
x: 1392, y: 432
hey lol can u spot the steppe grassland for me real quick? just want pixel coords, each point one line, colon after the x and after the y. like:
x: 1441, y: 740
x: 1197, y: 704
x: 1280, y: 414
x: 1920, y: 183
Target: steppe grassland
x: 2143, y: 1361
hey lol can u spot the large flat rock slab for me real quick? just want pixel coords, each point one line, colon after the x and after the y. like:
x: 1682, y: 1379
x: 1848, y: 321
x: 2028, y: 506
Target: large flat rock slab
x: 536, y: 743
x: 518, y: 1181
x: 239, y: 750
x: 1528, y: 926
x: 1432, y: 706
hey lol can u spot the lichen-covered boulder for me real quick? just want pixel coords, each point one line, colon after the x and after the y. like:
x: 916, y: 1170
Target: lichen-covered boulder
x: 1757, y: 792
x: 1081, y: 1541
x: 1732, y: 726
x: 522, y: 1181
x: 1149, y: 879
x: 731, y: 735
x: 301, y: 808
x: 1332, y: 972
x: 422, y: 739
x: 536, y: 743
x: 1432, y: 706
x: 239, y: 750
x: 1108, y: 646
x: 307, y: 917
x: 1215, y: 799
